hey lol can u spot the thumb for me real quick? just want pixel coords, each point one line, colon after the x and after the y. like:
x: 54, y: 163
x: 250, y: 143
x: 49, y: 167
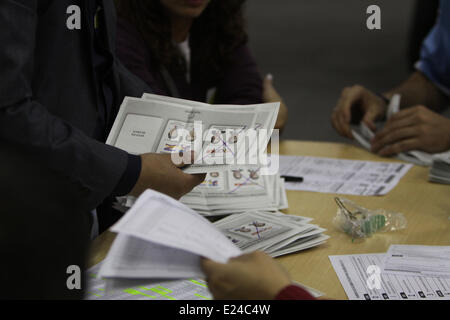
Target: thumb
x: 209, y: 266
x: 369, y: 119
x: 268, y: 81
x: 182, y: 159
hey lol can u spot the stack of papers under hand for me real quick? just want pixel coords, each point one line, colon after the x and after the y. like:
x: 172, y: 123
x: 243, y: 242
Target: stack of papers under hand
x: 237, y: 191
x: 231, y: 192
x: 160, y: 238
x: 440, y: 170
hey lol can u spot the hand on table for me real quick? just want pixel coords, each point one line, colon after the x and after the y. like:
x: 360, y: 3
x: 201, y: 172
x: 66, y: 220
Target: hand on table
x: 254, y: 276
x: 355, y: 101
x: 416, y: 128
x: 161, y: 174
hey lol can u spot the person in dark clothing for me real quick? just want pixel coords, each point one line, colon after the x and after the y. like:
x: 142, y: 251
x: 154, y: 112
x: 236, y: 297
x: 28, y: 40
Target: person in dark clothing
x: 44, y: 231
x: 60, y: 90
x: 192, y: 49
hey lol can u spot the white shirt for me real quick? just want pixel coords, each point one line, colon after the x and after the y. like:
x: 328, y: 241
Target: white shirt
x: 185, y: 49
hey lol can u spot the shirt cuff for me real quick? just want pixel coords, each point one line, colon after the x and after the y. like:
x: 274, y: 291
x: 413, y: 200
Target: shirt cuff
x: 294, y: 292
x: 129, y: 177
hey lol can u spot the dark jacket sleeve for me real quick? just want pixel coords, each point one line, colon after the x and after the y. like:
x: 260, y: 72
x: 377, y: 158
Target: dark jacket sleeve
x: 294, y: 293
x: 242, y: 82
x: 27, y: 125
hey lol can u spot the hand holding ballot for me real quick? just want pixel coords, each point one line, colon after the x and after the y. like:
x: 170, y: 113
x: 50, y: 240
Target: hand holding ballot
x: 357, y: 102
x: 161, y: 174
x: 416, y: 128
x: 254, y: 276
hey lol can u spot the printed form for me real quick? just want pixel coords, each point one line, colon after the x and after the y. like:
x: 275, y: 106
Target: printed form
x: 418, y: 260
x: 339, y: 176
x: 362, y: 278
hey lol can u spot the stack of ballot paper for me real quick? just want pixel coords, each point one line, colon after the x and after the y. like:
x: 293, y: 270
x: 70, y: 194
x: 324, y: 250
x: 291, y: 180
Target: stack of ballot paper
x: 440, y: 170
x: 222, y: 136
x: 237, y: 191
x: 274, y: 233
x: 161, y: 238
x: 230, y: 192
x: 364, y: 135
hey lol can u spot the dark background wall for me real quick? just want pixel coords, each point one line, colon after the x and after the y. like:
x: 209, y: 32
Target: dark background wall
x: 316, y: 47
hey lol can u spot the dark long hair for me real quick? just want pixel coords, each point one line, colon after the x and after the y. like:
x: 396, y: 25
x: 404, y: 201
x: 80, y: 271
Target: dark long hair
x: 214, y: 35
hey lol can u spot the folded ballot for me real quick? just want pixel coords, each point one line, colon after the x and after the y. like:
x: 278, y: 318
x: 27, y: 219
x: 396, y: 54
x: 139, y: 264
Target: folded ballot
x: 221, y: 136
x: 161, y: 238
x: 363, y: 135
x: 440, y: 169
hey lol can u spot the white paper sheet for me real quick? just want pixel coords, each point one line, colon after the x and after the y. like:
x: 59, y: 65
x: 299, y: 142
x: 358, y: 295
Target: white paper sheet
x: 161, y: 238
x: 362, y: 279
x: 222, y: 136
x: 339, y: 176
x: 418, y: 260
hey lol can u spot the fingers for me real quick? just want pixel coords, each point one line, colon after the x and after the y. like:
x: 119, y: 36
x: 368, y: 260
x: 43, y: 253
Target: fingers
x: 399, y: 147
x: 268, y: 80
x: 209, y: 266
x: 403, y: 126
x: 342, y: 113
x: 183, y: 159
x: 393, y: 136
x: 370, y: 117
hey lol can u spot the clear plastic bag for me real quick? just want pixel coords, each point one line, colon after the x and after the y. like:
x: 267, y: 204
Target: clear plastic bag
x: 360, y: 223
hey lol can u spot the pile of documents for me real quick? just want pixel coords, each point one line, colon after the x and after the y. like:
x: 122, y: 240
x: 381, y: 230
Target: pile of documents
x: 440, y: 170
x: 237, y: 191
x: 405, y: 272
x: 230, y: 192
x: 160, y: 238
x: 276, y: 234
x: 222, y: 136
x: 229, y: 142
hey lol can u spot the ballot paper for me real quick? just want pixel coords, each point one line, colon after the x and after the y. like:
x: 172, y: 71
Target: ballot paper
x: 222, y: 136
x: 161, y: 238
x: 362, y: 279
x: 440, y: 169
x: 363, y: 135
x: 230, y: 192
x: 188, y: 289
x: 339, y: 176
x: 274, y: 233
x: 431, y: 261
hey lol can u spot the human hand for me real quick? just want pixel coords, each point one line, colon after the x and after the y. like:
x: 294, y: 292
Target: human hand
x: 254, y: 276
x: 161, y: 174
x: 357, y: 101
x: 416, y: 128
x: 270, y: 94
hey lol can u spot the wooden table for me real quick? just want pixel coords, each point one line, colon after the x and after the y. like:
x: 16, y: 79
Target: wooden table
x: 425, y: 205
